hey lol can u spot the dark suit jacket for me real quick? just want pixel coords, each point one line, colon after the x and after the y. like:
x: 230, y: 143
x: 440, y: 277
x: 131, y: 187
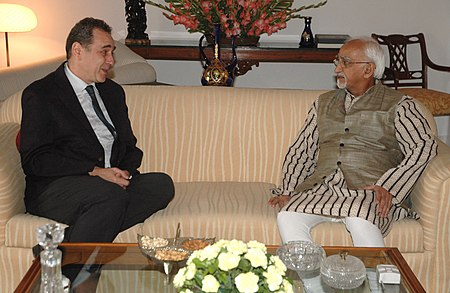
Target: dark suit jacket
x: 57, y: 139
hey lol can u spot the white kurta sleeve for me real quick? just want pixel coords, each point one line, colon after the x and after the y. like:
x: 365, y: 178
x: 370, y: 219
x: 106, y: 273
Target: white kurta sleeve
x: 301, y: 158
x: 418, y: 146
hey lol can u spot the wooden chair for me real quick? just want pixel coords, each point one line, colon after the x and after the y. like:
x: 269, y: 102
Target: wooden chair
x: 398, y: 74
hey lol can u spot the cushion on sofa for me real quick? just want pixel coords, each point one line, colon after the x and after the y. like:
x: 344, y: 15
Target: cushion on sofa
x: 222, y: 210
x: 21, y: 230
x: 130, y: 68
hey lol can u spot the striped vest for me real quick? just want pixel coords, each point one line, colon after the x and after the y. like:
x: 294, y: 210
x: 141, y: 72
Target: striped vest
x: 362, y: 142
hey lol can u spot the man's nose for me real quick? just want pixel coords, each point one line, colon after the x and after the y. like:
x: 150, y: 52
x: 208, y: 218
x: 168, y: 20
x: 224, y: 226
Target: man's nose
x: 110, y: 59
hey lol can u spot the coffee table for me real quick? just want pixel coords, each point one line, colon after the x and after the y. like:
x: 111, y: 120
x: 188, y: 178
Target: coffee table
x: 126, y: 269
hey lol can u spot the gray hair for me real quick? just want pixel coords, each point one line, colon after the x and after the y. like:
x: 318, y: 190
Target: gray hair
x: 374, y: 53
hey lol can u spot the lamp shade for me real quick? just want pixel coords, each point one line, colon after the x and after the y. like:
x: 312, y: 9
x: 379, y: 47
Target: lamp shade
x: 16, y: 18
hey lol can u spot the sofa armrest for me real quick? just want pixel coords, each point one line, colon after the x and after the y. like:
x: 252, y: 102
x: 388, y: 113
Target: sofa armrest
x: 12, y: 179
x: 431, y: 199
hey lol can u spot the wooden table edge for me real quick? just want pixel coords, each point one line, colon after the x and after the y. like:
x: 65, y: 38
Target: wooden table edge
x: 408, y: 275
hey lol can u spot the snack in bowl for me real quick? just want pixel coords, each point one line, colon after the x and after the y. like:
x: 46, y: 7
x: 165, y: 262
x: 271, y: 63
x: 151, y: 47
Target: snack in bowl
x: 151, y: 243
x: 171, y: 254
x: 194, y: 244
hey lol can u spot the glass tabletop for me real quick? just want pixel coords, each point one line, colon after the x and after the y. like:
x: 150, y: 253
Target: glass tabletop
x: 124, y: 268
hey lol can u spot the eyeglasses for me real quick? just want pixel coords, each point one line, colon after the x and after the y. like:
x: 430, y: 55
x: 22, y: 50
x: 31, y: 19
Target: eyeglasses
x: 345, y: 62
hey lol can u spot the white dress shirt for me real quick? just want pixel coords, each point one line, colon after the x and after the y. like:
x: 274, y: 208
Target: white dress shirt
x: 104, y: 136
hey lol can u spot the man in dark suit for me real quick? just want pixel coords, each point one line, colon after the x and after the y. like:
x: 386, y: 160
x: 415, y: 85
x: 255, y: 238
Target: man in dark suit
x: 77, y: 147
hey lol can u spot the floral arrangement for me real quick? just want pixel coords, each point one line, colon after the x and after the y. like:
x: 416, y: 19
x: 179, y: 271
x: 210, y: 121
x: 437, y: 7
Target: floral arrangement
x: 233, y: 266
x: 243, y: 18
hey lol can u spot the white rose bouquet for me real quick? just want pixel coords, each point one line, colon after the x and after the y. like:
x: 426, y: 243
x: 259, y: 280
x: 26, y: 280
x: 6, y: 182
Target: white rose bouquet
x: 233, y: 266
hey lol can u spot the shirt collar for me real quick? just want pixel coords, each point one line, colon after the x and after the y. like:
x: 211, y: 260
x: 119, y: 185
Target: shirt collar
x: 367, y: 92
x: 77, y: 83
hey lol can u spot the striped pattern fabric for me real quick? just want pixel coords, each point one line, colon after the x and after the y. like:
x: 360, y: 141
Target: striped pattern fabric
x: 224, y: 148
x: 12, y: 181
x: 210, y: 134
x: 332, y: 196
x: 223, y: 210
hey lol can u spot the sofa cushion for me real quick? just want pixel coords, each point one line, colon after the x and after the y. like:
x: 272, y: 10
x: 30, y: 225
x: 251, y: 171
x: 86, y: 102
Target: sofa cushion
x: 130, y: 68
x: 21, y: 230
x: 222, y: 210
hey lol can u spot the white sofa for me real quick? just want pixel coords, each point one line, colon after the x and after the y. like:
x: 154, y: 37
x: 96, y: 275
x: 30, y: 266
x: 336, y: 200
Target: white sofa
x: 224, y: 148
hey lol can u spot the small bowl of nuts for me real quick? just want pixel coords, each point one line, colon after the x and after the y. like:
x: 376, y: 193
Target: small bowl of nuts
x: 192, y: 244
x: 171, y: 254
x: 162, y: 250
x: 148, y: 242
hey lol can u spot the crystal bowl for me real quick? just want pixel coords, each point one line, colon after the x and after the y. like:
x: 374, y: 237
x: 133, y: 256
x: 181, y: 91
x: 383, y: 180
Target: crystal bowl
x: 343, y: 271
x: 301, y: 255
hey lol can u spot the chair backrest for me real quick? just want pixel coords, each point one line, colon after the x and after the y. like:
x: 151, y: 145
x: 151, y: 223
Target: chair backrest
x: 399, y: 74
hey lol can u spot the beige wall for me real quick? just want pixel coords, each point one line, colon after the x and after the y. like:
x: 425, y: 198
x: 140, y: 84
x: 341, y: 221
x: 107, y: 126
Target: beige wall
x: 354, y: 17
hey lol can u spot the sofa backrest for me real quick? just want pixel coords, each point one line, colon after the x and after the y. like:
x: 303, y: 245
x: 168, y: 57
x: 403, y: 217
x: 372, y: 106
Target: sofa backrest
x: 216, y: 133
x: 199, y: 133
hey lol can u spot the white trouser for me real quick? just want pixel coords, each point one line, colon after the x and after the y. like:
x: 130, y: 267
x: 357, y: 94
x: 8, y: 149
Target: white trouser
x: 295, y: 226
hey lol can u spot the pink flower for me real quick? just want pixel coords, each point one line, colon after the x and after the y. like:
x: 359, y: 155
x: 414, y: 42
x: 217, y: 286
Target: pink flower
x: 206, y: 5
x: 237, y: 17
x: 223, y: 18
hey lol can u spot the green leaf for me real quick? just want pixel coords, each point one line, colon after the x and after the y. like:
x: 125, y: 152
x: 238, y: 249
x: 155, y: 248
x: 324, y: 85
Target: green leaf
x: 245, y: 265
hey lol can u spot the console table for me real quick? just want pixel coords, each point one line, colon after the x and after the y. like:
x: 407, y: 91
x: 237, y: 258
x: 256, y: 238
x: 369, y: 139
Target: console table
x: 247, y: 56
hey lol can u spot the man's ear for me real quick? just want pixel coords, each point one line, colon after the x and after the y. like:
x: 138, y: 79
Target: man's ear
x: 369, y: 71
x: 76, y: 49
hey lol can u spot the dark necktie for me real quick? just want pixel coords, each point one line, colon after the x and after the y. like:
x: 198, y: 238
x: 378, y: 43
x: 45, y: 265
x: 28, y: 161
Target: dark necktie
x: 98, y: 111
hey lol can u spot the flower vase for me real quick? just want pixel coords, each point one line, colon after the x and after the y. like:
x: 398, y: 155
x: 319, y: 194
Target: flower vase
x: 216, y: 72
x: 239, y: 41
x: 307, y: 37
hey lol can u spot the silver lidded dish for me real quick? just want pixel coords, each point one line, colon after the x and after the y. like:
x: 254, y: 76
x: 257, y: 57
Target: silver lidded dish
x: 343, y: 271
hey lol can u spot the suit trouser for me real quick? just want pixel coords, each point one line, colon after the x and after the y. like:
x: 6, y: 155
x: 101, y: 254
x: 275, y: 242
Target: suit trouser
x: 296, y: 226
x: 97, y: 210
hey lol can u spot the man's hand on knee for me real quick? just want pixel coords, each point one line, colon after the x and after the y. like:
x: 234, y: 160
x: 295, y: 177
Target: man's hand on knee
x: 383, y: 199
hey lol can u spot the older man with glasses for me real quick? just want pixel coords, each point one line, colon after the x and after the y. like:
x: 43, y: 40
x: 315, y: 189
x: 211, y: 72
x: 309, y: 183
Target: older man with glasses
x: 358, y: 155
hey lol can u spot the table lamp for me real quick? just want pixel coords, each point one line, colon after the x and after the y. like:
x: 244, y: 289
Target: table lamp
x: 15, y: 18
